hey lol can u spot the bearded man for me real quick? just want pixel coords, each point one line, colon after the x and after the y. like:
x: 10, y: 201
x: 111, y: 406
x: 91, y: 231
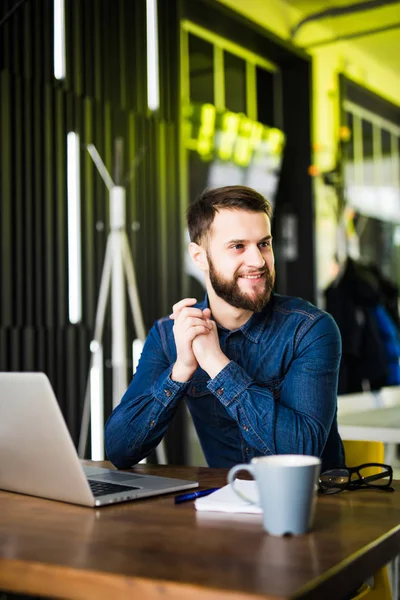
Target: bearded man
x: 258, y: 370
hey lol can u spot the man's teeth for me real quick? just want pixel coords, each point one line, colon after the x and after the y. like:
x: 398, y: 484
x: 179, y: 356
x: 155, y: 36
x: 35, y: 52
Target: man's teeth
x: 251, y: 276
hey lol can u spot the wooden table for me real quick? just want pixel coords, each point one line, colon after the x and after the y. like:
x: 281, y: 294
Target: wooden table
x: 153, y: 549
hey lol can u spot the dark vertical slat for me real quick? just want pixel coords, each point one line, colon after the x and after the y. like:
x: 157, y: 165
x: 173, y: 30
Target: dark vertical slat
x: 174, y: 245
x: 47, y: 48
x: 41, y: 343
x: 121, y: 41
x: 18, y: 208
x: 113, y: 64
x: 70, y: 392
x: 162, y: 218
x: 88, y: 224
x: 15, y: 349
x: 47, y: 341
x: 169, y: 40
x: 98, y: 64
x: 106, y: 35
x: 143, y: 200
x: 133, y: 184
x: 131, y: 75
x: 60, y: 203
x: 6, y: 299
x: 38, y: 200
x: 15, y: 26
x: 88, y: 26
x: 69, y: 47
x: 28, y: 211
x: 62, y: 365
x: 29, y: 352
x: 140, y: 64
x: 134, y: 198
x: 38, y: 48
x: 27, y: 46
x: 5, y: 38
x: 154, y: 223
x: 77, y: 35
x: 3, y: 349
x: 49, y: 212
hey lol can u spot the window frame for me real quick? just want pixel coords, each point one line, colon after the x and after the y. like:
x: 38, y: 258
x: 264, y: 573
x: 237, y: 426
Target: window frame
x: 221, y: 44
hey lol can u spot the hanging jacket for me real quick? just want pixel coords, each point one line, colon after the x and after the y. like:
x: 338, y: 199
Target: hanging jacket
x: 350, y: 300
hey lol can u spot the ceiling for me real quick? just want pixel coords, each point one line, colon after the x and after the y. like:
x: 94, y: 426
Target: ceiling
x: 383, y: 46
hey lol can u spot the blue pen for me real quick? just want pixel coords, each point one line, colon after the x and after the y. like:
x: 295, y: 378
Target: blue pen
x: 193, y: 495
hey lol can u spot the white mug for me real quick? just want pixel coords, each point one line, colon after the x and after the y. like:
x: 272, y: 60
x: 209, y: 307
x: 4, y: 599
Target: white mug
x: 287, y: 485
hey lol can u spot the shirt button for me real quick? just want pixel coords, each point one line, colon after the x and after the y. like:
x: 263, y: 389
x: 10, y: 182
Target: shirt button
x: 220, y: 391
x: 152, y: 424
x: 168, y: 393
x: 245, y: 427
x: 194, y: 390
x: 247, y: 450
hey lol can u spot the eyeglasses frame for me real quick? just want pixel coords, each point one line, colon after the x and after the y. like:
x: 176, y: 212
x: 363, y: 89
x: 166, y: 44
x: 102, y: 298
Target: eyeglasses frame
x: 361, y: 482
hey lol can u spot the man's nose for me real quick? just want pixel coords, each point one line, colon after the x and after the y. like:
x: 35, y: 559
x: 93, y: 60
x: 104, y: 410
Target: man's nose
x: 255, y: 258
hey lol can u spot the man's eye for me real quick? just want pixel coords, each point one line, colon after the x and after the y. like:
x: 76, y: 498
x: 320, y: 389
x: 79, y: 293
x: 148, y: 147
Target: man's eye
x: 265, y: 244
x: 237, y: 247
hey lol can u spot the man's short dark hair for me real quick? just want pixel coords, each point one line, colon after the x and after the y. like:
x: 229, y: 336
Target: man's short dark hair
x: 201, y: 213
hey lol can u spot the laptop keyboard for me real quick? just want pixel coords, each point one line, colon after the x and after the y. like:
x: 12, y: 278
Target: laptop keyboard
x: 100, y: 488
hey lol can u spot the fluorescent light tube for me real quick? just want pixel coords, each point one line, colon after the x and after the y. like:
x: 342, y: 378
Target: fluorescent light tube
x: 153, y: 91
x: 59, y: 39
x: 74, y: 229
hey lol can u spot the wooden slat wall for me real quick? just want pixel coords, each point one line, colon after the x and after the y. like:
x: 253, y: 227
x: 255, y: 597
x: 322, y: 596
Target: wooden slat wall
x: 103, y: 97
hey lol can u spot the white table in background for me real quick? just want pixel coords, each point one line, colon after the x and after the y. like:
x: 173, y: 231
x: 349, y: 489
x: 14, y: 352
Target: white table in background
x: 370, y: 415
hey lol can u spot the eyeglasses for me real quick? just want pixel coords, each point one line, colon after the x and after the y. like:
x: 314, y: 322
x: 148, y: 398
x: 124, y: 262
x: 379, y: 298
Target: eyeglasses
x: 368, y: 476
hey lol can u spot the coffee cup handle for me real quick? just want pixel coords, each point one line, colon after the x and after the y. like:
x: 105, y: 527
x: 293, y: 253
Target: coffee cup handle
x: 232, y: 478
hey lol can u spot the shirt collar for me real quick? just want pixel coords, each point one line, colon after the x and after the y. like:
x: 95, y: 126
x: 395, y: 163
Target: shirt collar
x: 254, y: 327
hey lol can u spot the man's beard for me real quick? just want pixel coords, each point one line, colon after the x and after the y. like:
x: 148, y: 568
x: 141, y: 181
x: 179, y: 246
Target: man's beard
x: 233, y: 295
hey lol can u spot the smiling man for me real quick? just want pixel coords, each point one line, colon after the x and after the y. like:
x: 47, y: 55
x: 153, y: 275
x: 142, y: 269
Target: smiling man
x: 258, y: 371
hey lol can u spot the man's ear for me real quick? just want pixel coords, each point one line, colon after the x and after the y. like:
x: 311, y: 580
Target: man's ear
x: 199, y: 256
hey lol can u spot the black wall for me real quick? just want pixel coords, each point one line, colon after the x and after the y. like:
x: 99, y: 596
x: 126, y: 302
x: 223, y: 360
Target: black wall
x: 103, y: 98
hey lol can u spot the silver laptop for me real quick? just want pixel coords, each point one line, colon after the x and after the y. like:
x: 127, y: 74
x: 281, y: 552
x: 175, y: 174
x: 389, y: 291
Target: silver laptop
x: 38, y: 457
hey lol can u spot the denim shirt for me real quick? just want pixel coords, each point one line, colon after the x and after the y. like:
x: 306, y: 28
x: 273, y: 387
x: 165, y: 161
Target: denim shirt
x: 277, y: 395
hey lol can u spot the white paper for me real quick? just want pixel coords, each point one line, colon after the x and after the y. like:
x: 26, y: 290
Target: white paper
x: 226, y: 500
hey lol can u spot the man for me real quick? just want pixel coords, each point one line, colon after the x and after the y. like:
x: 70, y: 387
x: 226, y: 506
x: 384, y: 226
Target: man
x: 258, y: 370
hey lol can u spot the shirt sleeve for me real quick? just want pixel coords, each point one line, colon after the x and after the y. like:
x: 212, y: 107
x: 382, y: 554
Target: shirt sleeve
x: 137, y: 425
x: 298, y: 420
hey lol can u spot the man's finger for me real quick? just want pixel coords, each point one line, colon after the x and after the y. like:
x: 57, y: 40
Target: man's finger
x: 176, y: 309
x: 195, y: 321
x: 196, y: 331
x: 207, y: 313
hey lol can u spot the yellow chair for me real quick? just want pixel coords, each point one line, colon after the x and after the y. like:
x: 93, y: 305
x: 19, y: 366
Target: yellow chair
x: 358, y: 453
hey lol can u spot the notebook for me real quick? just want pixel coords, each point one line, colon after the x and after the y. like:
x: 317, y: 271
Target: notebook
x: 226, y: 500
x: 38, y: 456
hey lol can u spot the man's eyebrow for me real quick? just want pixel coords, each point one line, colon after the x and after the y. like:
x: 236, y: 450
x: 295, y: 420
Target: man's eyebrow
x: 264, y: 239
